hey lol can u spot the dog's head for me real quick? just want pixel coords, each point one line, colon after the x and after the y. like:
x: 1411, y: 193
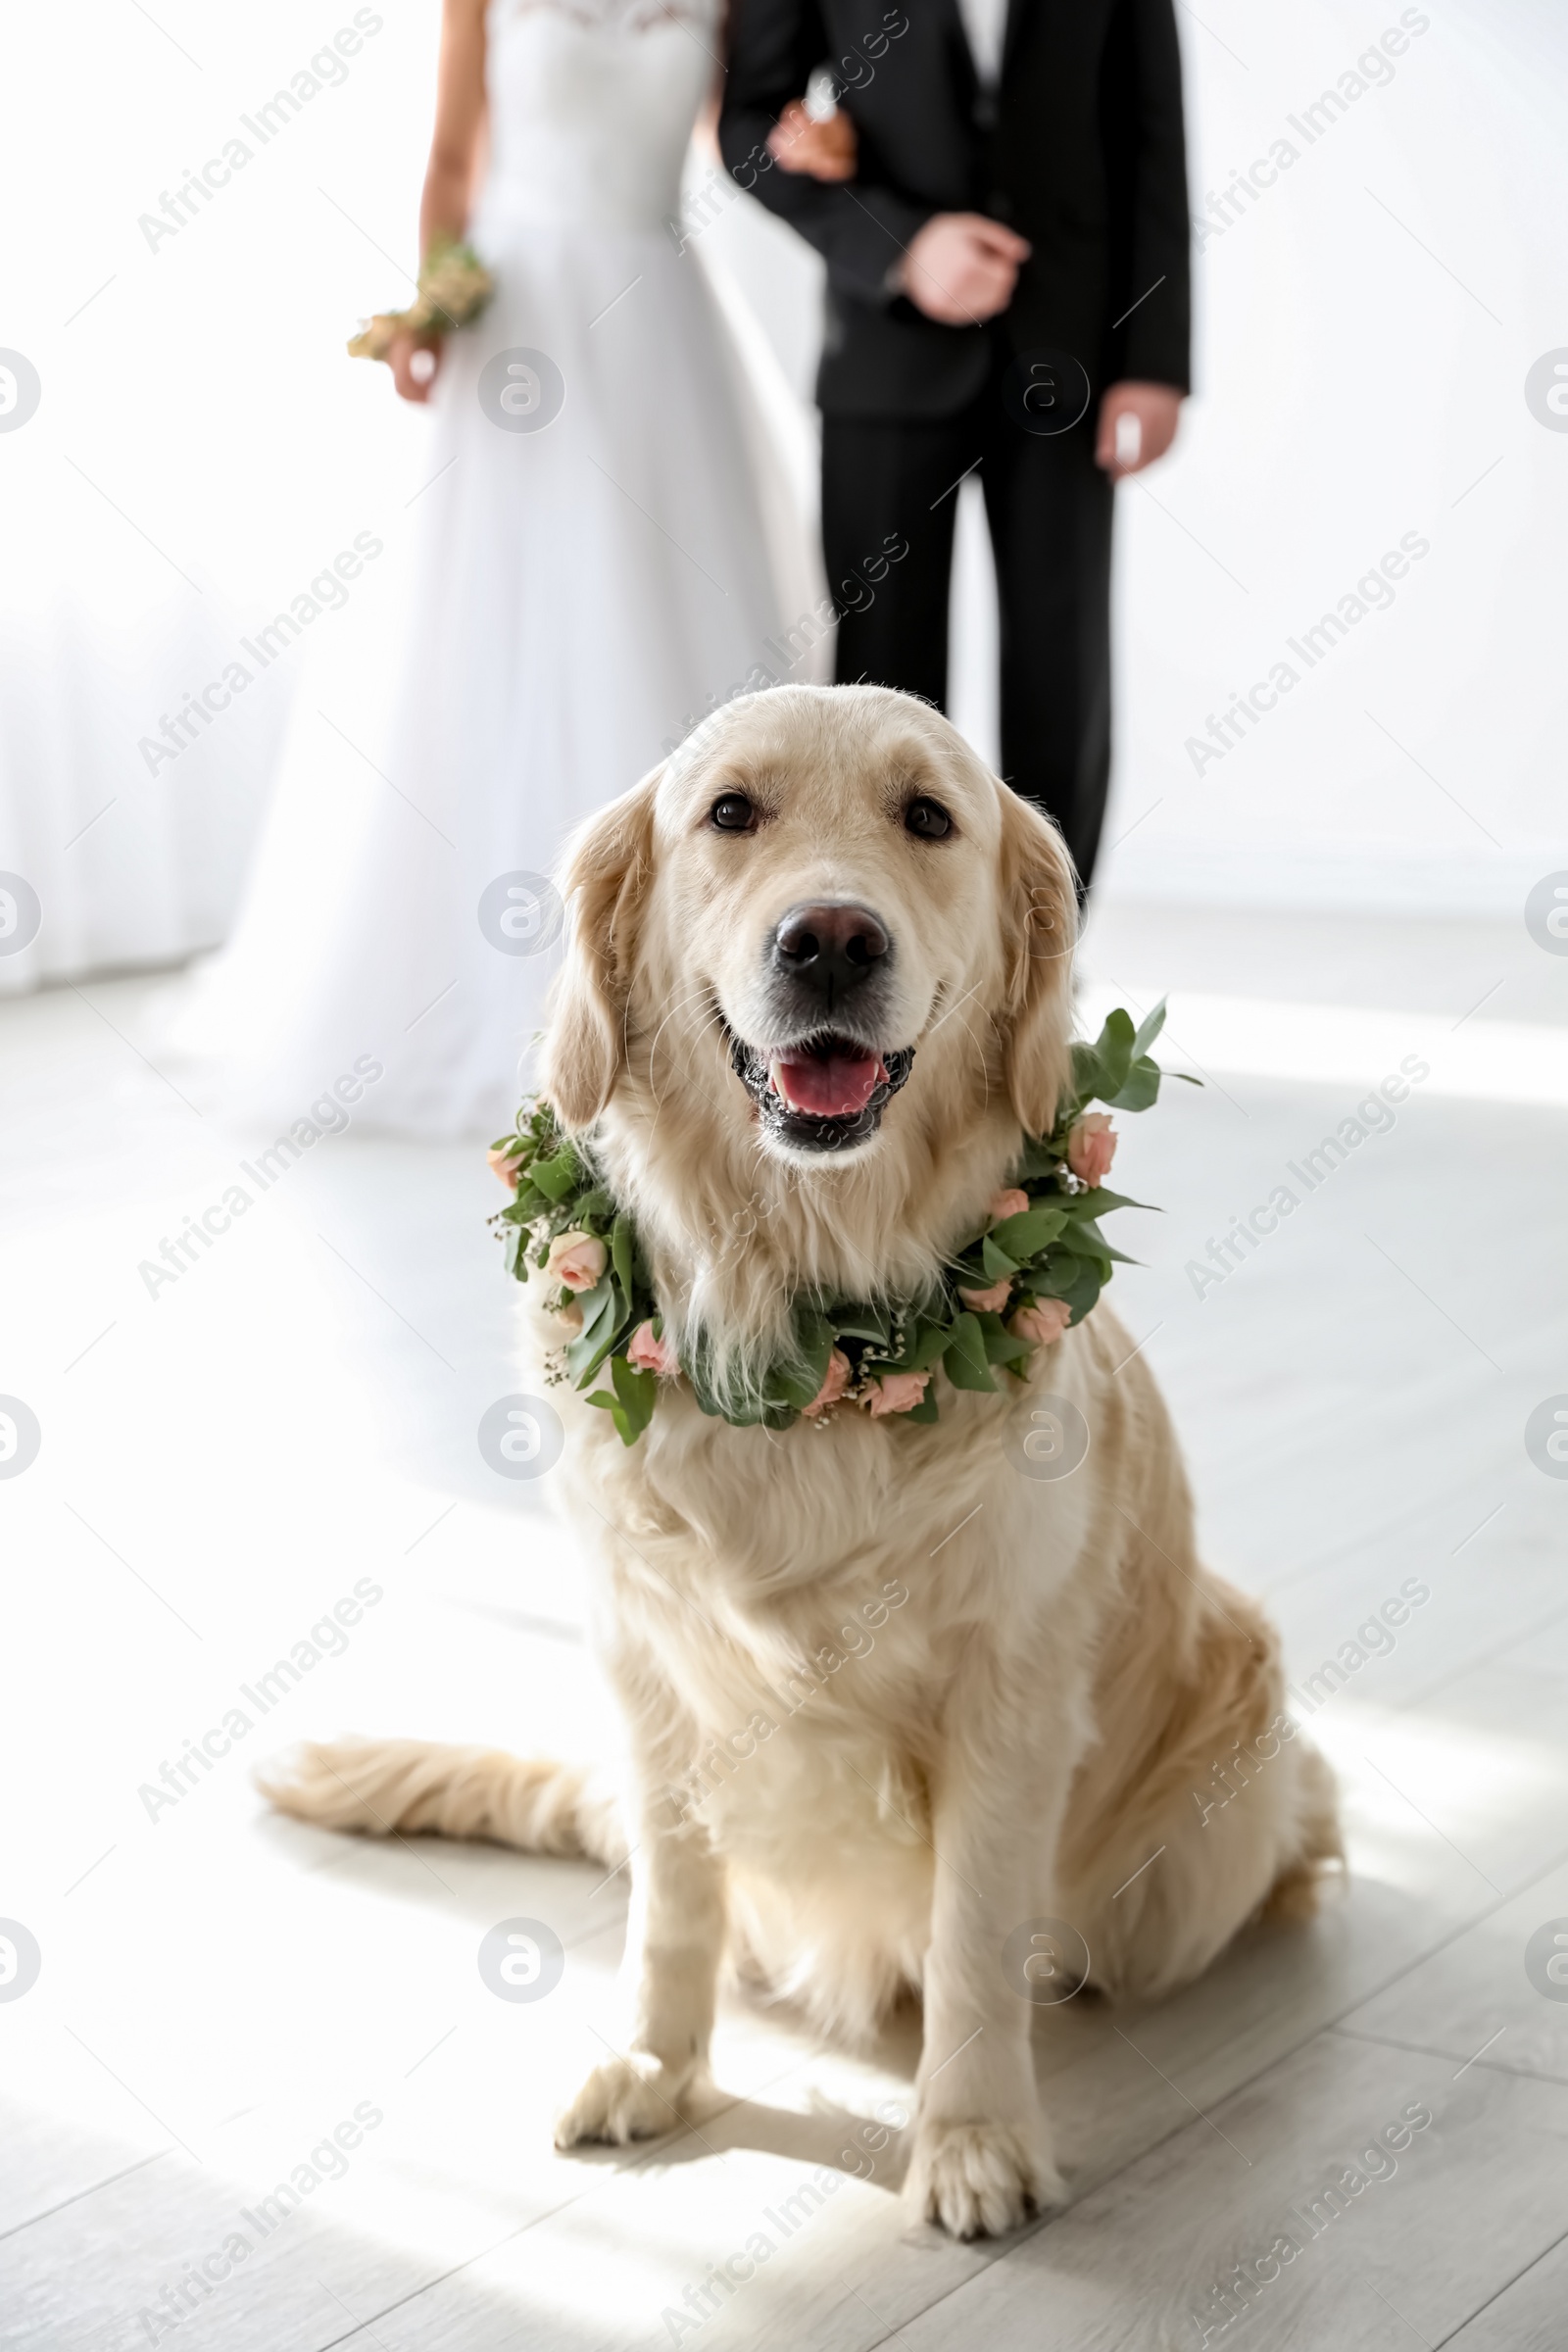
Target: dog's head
x: 820, y: 911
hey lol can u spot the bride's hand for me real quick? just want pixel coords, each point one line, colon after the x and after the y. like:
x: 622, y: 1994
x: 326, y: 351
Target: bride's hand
x: 414, y: 362
x: 820, y: 150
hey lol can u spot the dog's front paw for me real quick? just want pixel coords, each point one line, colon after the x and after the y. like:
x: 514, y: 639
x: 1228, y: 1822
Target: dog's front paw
x: 979, y: 2180
x: 625, y: 2100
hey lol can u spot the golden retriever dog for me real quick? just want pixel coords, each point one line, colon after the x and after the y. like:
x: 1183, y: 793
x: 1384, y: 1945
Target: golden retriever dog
x: 816, y: 993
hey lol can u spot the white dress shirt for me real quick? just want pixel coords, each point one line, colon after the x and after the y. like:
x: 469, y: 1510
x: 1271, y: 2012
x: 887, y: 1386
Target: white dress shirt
x: 985, y: 21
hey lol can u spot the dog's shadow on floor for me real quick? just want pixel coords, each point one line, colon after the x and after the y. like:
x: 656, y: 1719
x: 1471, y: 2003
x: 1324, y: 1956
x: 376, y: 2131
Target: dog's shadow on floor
x: 870, y: 2142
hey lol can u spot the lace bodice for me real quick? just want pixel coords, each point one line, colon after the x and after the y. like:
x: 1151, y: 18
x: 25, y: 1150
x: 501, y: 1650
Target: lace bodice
x: 620, y: 17
x: 592, y: 103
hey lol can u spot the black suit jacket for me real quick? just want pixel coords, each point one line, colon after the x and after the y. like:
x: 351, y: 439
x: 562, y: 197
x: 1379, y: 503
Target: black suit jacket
x: 1080, y: 150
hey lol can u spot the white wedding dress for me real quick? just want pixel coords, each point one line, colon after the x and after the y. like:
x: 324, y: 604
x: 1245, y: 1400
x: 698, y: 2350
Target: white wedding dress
x: 585, y: 579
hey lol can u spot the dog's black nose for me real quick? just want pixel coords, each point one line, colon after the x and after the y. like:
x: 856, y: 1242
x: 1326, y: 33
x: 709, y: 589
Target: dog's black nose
x: 830, y: 947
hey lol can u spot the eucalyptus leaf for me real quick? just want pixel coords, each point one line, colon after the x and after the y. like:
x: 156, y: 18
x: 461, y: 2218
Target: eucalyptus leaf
x: 797, y: 1384
x: 621, y: 1252
x: 601, y: 1318
x: 1084, y: 1246
x: 1036, y: 1160
x: 802, y: 1380
x: 1086, y: 1238
x: 857, y: 1320
x: 1001, y: 1346
x: 963, y: 1359
x: 1147, y: 1030
x: 1081, y: 1292
x: 1113, y: 1050
x: 1029, y: 1231
x: 1089, y: 1079
x: 557, y: 1175
x: 638, y: 1392
x: 1138, y: 1090
x: 923, y: 1348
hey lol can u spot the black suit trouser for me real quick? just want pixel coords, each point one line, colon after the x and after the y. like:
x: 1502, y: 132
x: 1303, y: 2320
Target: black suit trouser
x: 1050, y: 508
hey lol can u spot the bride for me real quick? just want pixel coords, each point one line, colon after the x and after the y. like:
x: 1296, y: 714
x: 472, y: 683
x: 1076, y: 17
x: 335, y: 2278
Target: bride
x: 610, y: 543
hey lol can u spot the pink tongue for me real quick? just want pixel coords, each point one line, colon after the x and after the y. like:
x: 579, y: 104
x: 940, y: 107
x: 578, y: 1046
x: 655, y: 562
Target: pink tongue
x: 833, y: 1088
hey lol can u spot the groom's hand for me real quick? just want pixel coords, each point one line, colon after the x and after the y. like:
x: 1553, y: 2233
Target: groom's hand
x: 1137, y: 424
x: 961, y: 268
x: 823, y: 151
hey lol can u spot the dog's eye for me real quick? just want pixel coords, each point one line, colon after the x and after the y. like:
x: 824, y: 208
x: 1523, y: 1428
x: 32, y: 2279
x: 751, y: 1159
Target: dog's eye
x: 927, y: 819
x: 732, y: 812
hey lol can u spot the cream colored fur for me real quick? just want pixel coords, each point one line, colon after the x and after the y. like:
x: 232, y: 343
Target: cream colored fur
x: 1044, y: 1710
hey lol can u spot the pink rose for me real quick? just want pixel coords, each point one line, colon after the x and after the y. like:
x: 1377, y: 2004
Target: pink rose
x: 576, y: 1259
x: 989, y: 1302
x: 645, y: 1354
x: 835, y: 1383
x: 1042, y: 1321
x: 504, y: 1168
x: 1091, y: 1146
x: 897, y: 1393
x: 569, y: 1317
x: 1008, y: 1204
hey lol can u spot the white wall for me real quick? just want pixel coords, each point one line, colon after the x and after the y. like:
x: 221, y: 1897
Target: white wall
x: 1366, y: 332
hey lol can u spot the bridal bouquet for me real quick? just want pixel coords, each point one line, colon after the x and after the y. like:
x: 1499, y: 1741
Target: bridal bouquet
x: 454, y: 288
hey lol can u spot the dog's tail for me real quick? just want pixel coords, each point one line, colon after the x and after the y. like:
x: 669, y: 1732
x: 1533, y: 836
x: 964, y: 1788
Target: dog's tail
x: 1296, y: 1892
x: 387, y: 1786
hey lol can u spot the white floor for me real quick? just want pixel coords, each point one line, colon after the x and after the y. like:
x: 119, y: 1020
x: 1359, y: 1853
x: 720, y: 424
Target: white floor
x: 220, y: 1991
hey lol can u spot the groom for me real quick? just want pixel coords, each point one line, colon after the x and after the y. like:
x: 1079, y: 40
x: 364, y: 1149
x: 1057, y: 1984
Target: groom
x: 1006, y: 235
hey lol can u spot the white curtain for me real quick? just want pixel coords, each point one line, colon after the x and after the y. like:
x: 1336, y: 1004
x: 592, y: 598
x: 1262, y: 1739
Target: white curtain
x: 129, y: 868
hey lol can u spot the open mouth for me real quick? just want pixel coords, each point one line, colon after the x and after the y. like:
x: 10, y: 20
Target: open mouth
x: 824, y: 1093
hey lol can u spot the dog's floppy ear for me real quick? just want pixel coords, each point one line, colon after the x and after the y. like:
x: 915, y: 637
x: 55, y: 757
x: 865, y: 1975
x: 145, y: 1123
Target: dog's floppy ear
x: 608, y: 864
x: 1040, y: 925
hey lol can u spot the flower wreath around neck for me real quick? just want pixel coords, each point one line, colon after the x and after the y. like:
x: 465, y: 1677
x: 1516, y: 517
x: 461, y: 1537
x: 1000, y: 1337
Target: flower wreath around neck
x: 1035, y: 1268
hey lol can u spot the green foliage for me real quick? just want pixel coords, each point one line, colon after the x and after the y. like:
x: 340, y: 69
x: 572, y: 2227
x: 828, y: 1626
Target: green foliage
x: 1053, y: 1249
x: 631, y: 1404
